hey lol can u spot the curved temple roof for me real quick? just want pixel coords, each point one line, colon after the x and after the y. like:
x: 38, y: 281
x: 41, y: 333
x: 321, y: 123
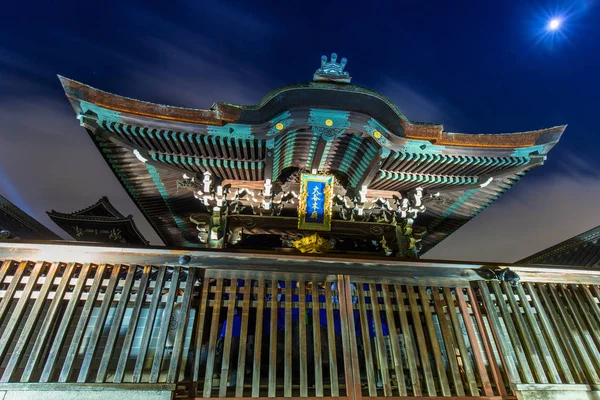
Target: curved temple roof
x: 333, y: 127
x: 300, y: 96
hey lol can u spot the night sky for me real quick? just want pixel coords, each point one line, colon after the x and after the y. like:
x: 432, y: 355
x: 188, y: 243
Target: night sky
x: 476, y: 67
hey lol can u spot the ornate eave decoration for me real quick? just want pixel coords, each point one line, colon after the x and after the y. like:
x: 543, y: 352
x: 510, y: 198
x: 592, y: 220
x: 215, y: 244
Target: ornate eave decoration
x: 300, y: 192
x: 332, y: 71
x: 312, y: 244
x: 316, y: 200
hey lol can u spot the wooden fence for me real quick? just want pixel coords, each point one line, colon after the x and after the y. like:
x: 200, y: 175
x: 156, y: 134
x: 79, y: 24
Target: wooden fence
x: 246, y: 331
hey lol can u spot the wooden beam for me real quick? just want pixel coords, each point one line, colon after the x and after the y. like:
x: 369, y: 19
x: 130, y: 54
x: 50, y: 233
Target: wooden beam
x: 319, y: 153
x: 371, y: 171
x: 256, y: 224
x: 268, y: 170
x: 385, y: 266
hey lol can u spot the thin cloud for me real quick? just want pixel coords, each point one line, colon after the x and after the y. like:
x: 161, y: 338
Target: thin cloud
x: 420, y: 108
x: 536, y: 213
x: 47, y: 161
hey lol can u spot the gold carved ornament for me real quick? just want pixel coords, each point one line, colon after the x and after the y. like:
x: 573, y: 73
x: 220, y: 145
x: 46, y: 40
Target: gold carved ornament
x: 312, y: 244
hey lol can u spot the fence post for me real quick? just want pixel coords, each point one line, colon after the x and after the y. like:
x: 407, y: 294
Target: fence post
x: 350, y: 347
x: 200, y: 305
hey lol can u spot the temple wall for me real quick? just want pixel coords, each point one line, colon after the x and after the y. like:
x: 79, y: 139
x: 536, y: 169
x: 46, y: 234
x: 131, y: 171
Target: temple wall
x: 556, y: 392
x: 86, y: 394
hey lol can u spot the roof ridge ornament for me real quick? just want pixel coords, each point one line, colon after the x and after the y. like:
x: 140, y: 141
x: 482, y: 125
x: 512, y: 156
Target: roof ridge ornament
x: 332, y: 71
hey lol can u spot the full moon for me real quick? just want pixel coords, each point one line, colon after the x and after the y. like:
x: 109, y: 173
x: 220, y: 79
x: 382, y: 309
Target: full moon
x: 554, y: 24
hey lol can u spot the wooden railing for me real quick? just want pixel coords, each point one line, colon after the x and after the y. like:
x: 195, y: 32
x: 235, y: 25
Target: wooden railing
x: 547, y: 332
x: 230, y: 325
x: 69, y: 322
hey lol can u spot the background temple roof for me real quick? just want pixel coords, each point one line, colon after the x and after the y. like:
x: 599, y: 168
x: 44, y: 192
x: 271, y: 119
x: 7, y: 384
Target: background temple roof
x: 99, y: 222
x: 582, y: 250
x: 21, y: 225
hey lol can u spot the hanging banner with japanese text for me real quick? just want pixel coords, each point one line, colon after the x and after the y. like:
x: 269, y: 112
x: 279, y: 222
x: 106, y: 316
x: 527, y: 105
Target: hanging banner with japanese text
x: 315, y: 208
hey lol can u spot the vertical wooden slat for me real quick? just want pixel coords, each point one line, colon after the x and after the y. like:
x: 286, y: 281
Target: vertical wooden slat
x: 595, y: 293
x: 449, y: 340
x: 408, y: 343
x: 505, y: 347
x: 561, y: 328
x: 349, y: 343
x: 553, y: 337
x: 379, y: 342
x: 12, y: 288
x: 15, y: 316
x: 391, y: 321
x: 531, y: 352
x: 462, y: 348
x: 577, y: 352
x: 4, y: 270
x: 487, y: 341
x: 241, y: 363
x: 516, y: 346
x: 258, y: 333
x: 212, y: 340
x: 591, y: 301
x: 115, y: 325
x: 200, y: 331
x: 302, y: 337
x: 99, y: 325
x: 165, y: 322
x: 591, y: 319
x: 148, y: 326
x: 41, y: 339
x: 81, y: 324
x: 133, y: 323
x: 65, y: 321
x: 421, y: 343
x: 317, y: 339
x: 549, y: 366
x: 273, y: 340
x: 333, y: 370
x: 30, y: 323
x: 174, y: 365
x: 287, y: 372
x: 364, y: 329
x: 584, y: 324
x: 435, y: 344
x: 228, y: 336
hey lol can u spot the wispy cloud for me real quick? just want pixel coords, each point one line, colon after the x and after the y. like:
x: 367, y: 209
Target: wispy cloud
x: 47, y: 161
x: 412, y: 103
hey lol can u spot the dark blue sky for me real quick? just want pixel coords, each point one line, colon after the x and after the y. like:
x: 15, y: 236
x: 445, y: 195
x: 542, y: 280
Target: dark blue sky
x: 474, y: 66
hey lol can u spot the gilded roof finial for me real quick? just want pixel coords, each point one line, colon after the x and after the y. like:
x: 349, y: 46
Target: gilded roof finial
x: 332, y: 71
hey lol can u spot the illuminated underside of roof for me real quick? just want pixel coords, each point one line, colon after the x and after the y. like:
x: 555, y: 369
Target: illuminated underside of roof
x: 329, y: 126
